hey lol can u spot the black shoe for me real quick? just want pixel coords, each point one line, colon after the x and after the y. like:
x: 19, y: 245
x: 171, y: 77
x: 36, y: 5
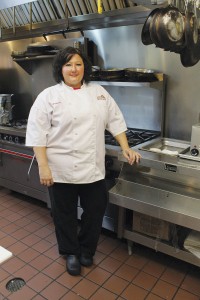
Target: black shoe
x: 73, y: 265
x: 86, y: 260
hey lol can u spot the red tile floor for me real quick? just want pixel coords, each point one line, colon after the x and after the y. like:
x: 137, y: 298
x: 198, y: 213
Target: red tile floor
x: 26, y: 229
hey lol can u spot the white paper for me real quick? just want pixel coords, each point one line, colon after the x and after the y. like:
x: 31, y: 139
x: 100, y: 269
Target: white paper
x: 4, y: 254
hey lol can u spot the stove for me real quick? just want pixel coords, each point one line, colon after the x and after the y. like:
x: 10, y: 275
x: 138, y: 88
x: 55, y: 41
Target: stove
x: 14, y: 132
x: 135, y: 137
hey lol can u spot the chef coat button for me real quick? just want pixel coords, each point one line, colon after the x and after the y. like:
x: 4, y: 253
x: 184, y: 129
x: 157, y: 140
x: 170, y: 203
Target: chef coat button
x: 75, y: 166
x: 74, y: 118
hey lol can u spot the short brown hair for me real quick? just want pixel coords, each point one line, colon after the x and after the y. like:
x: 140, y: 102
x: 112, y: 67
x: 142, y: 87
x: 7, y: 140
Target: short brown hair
x: 63, y: 56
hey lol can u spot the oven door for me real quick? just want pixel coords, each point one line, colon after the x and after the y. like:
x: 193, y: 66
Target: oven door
x: 15, y: 161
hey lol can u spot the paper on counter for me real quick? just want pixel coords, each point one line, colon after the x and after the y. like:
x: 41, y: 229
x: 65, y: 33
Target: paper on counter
x: 4, y: 254
x: 164, y: 151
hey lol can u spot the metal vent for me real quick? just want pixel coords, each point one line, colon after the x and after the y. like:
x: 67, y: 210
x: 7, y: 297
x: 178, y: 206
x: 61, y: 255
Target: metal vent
x: 15, y: 284
x: 50, y: 10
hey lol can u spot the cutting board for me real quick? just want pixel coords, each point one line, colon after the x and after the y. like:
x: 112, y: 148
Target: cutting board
x: 4, y: 254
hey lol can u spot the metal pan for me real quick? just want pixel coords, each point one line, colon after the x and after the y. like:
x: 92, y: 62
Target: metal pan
x: 111, y: 74
x: 140, y: 74
x: 145, y: 35
x: 154, y: 27
x: 190, y: 56
x: 191, y: 29
x: 171, y: 29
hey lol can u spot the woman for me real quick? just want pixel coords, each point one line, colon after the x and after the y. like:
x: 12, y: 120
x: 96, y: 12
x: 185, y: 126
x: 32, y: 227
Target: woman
x: 66, y: 128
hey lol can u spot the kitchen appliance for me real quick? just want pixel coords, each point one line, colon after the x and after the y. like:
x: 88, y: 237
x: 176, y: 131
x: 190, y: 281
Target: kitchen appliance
x: 193, y: 151
x: 5, y: 108
x: 195, y: 140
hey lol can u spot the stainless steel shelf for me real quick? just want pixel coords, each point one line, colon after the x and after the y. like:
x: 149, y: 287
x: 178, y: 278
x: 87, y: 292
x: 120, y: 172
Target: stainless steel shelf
x: 26, y: 62
x: 160, y: 246
x: 159, y: 85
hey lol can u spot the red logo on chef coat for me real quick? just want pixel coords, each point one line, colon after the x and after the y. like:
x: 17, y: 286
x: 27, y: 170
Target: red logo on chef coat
x: 102, y: 97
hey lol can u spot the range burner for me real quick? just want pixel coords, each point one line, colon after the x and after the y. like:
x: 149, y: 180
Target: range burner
x: 18, y: 124
x: 135, y: 136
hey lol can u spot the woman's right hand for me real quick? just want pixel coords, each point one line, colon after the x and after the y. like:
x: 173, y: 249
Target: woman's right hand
x: 45, y: 176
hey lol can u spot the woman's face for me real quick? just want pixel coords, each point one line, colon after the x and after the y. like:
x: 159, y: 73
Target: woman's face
x: 73, y: 71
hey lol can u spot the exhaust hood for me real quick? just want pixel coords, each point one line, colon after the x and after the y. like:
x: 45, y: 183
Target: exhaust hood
x: 11, y: 3
x: 36, y: 17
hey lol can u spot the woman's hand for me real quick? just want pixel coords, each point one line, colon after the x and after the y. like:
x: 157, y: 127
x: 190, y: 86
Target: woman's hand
x: 131, y: 156
x: 45, y: 175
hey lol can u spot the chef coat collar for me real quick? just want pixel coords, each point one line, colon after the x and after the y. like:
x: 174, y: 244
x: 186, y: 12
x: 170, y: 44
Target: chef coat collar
x: 71, y: 88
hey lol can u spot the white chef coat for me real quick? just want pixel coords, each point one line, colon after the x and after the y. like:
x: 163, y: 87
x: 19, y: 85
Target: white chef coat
x: 70, y: 123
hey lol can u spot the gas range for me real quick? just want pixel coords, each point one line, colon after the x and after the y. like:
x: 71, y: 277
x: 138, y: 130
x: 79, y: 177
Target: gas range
x: 135, y: 137
x: 14, y: 133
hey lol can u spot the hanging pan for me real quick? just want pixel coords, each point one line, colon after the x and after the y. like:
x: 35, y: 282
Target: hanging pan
x: 145, y: 35
x: 171, y: 28
x: 190, y: 55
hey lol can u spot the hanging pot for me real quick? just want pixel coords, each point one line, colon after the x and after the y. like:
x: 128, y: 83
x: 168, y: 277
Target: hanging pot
x: 145, y: 35
x: 190, y: 56
x: 191, y: 29
x: 171, y: 29
x: 154, y: 27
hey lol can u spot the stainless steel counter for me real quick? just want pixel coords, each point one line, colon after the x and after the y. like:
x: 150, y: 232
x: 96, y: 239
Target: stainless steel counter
x: 161, y: 186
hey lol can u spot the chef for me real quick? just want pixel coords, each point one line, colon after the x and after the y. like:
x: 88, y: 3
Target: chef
x: 66, y: 128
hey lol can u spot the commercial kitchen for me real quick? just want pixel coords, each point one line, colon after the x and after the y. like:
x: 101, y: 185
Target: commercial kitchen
x: 150, y: 242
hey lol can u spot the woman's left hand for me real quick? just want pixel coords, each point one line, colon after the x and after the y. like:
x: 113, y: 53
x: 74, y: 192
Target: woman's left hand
x: 131, y: 156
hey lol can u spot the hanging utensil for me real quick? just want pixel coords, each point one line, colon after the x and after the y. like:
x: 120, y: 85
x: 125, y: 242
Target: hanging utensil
x: 145, y: 35
x: 171, y: 29
x: 190, y: 55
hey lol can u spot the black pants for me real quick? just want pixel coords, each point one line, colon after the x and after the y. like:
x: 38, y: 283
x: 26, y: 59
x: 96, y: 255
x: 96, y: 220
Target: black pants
x: 64, y: 200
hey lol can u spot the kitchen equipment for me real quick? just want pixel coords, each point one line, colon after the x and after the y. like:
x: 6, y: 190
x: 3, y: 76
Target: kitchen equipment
x: 171, y: 29
x: 166, y: 146
x: 195, y: 140
x: 111, y: 74
x: 134, y: 136
x: 190, y: 55
x: 140, y: 74
x: 5, y: 108
x: 39, y: 49
x: 145, y: 35
x: 167, y: 29
x: 160, y: 186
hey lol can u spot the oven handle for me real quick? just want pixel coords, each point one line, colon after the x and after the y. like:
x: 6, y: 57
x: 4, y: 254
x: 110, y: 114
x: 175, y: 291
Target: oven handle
x: 14, y: 153
x: 18, y: 154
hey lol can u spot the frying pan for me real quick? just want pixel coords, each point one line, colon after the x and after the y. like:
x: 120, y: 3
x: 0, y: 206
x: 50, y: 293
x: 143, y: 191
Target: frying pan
x: 190, y: 56
x: 145, y: 35
x: 109, y: 74
x: 191, y: 29
x: 171, y: 28
x: 154, y: 26
x: 139, y: 74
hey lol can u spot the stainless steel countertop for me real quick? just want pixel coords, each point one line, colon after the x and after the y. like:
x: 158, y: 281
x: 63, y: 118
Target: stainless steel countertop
x: 13, y: 131
x: 165, y: 162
